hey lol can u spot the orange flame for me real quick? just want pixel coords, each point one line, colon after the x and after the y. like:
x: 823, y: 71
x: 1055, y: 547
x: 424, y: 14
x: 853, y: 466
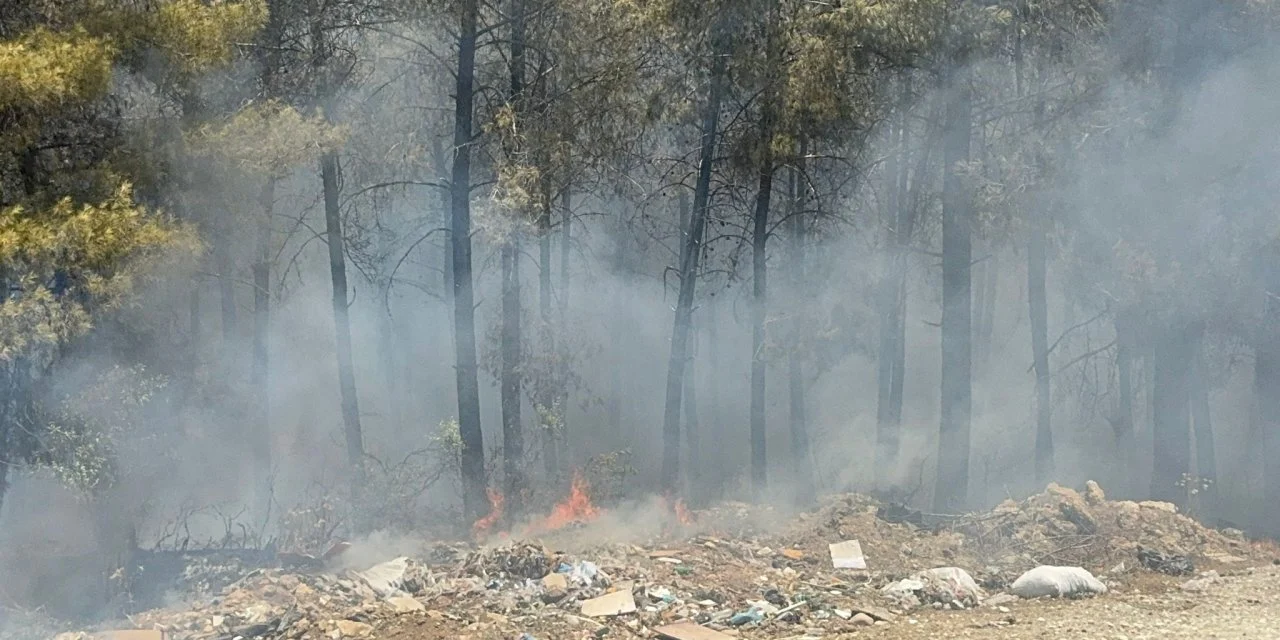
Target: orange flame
x: 683, y: 515
x: 483, y: 525
x: 576, y: 508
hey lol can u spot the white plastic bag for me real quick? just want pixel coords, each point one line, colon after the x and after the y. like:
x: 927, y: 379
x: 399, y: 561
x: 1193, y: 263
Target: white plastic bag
x: 1056, y: 581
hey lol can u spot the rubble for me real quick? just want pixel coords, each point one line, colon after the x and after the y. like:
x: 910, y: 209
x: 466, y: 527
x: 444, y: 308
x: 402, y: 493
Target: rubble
x: 835, y: 570
x: 1166, y: 563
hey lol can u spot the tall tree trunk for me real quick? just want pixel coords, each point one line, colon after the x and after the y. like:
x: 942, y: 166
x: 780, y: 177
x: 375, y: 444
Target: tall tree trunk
x: 1037, y: 259
x: 952, y: 483
x: 801, y: 469
x: 1126, y: 442
x: 887, y: 363
x: 693, y: 453
x: 226, y: 282
x: 759, y: 267
x: 548, y: 411
x: 475, y: 502
x: 261, y: 328
x: 446, y: 214
x: 1171, y: 426
x: 329, y: 169
x: 8, y: 378
x: 560, y: 441
x: 683, y: 322
x: 1202, y: 427
x: 717, y: 431
x: 512, y: 437
x: 696, y: 476
x: 341, y: 318
x: 990, y: 286
x: 1266, y: 382
x: 619, y: 319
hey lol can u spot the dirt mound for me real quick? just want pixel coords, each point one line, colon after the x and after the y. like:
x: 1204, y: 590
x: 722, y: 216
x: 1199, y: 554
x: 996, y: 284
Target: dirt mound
x: 1061, y: 526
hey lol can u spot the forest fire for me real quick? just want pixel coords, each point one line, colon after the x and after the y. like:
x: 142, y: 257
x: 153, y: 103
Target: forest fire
x: 483, y: 525
x: 683, y: 515
x: 576, y: 508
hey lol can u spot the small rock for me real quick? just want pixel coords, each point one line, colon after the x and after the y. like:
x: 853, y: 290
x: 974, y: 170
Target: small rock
x: 343, y: 629
x: 1093, y: 493
x: 845, y: 614
x: 1000, y: 599
x: 403, y: 604
x: 863, y: 620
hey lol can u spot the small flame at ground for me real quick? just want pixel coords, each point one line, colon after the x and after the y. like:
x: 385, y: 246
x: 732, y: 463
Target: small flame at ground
x: 683, y: 515
x: 577, y: 508
x: 483, y: 525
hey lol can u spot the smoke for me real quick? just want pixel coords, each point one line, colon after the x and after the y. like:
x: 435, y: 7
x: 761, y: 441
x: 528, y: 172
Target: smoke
x: 1170, y: 219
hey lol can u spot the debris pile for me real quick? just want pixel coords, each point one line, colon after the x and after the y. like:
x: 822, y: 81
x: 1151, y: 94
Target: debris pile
x: 842, y: 567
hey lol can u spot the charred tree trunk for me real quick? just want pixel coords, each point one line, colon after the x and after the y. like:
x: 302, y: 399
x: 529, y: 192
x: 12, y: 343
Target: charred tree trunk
x: 475, y: 501
x: 952, y: 488
x: 1171, y: 417
x: 1037, y: 265
x: 683, y: 323
x: 801, y: 469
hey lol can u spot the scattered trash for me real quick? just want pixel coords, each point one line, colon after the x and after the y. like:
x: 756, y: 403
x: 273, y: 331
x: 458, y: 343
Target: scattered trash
x: 690, y: 631
x: 943, y: 585
x: 750, y: 616
x: 385, y: 579
x: 129, y: 634
x: 1166, y: 563
x: 702, y: 587
x: 847, y: 555
x: 555, y: 581
x: 1062, y: 582
x: 616, y: 603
